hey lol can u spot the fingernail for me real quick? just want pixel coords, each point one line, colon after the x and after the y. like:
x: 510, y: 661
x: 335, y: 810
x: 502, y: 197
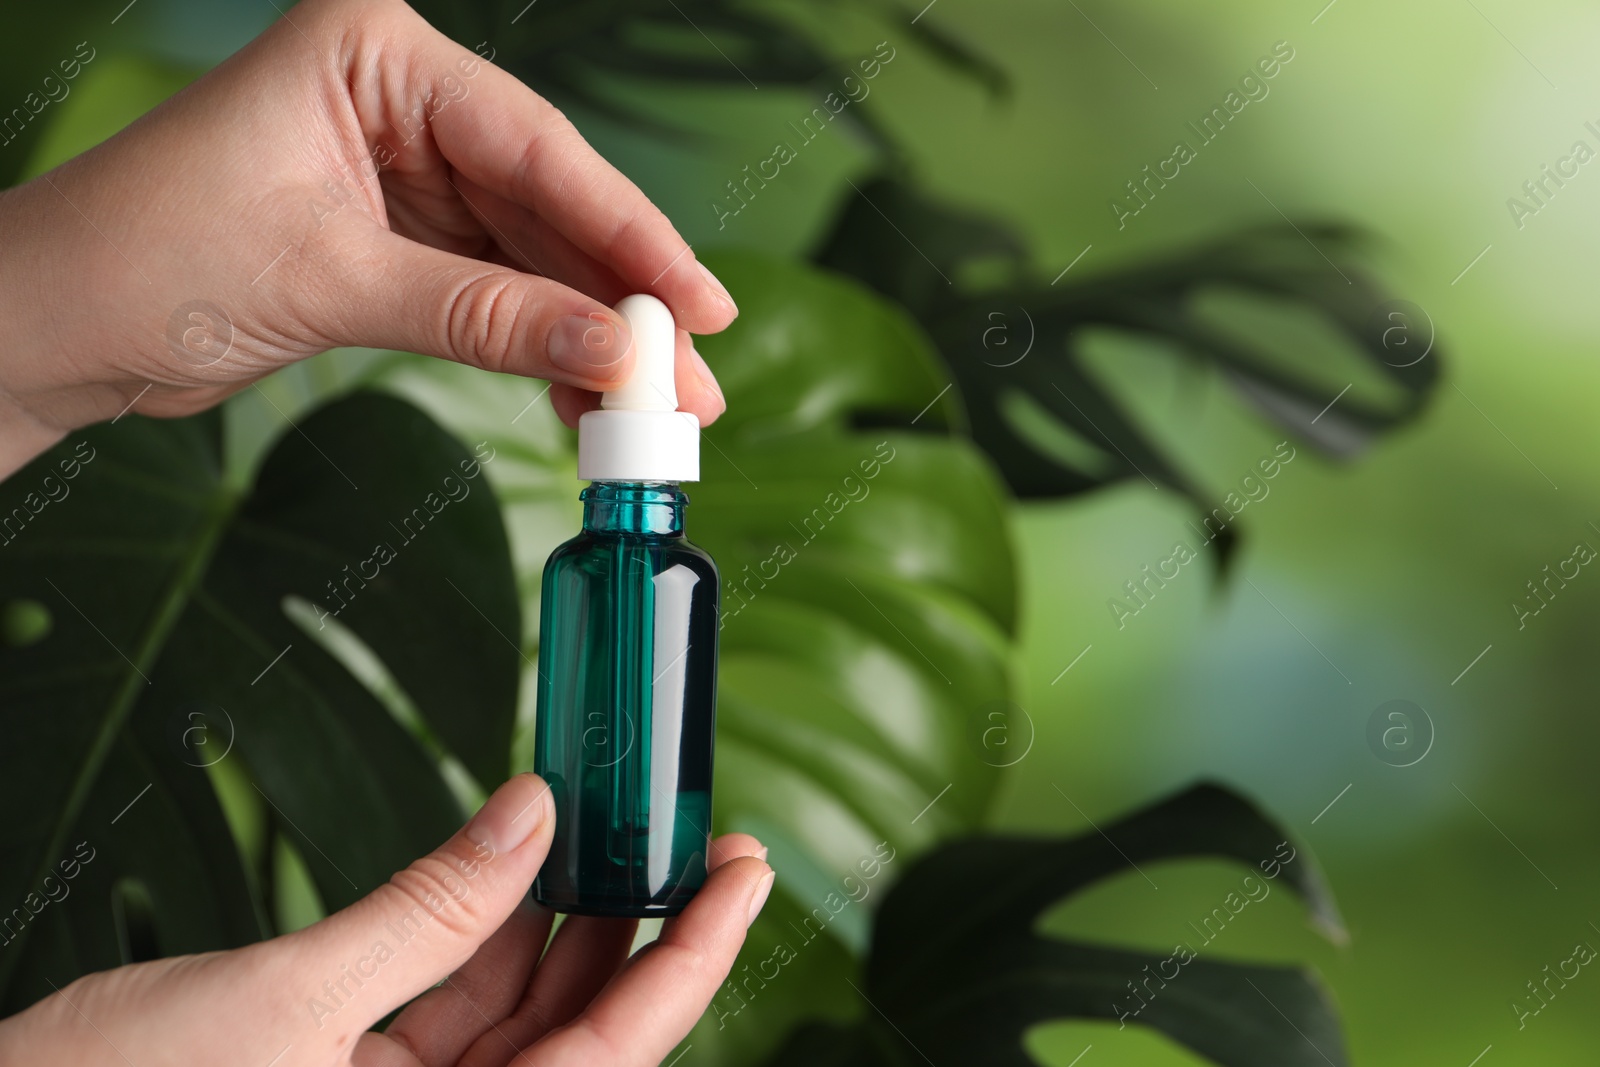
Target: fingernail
x: 717, y: 287
x: 512, y: 814
x: 706, y: 377
x: 591, y: 345
x: 760, y: 896
x: 762, y: 855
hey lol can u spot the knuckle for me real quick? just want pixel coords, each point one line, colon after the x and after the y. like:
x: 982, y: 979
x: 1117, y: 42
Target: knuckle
x: 693, y: 965
x: 431, y: 891
x: 553, y: 135
x: 537, y: 1014
x: 645, y: 227
x: 482, y: 317
x: 599, y: 1043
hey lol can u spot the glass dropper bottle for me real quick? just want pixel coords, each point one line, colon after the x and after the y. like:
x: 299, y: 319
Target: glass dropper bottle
x: 628, y: 655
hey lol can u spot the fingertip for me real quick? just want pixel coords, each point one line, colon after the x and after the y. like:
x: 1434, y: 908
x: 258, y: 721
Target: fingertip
x: 594, y: 348
x: 701, y: 315
x: 719, y: 292
x: 697, y: 387
x: 748, y: 872
x: 699, y: 302
x: 698, y: 391
x: 709, y: 380
x: 763, y: 877
x: 729, y: 847
x: 513, y: 814
x: 735, y: 890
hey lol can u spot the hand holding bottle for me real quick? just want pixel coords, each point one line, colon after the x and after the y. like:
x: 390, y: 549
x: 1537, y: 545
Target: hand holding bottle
x: 349, y: 178
x: 460, y: 914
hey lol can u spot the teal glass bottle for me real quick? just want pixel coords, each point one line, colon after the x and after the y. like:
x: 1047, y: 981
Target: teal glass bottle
x: 628, y: 654
x: 626, y: 706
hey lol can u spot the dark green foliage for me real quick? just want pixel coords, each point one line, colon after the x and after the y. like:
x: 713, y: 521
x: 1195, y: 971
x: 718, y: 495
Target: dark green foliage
x: 165, y: 591
x: 918, y: 252
x: 582, y: 52
x: 957, y: 970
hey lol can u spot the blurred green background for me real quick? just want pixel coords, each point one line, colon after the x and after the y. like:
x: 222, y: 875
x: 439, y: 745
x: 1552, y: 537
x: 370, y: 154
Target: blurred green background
x: 1463, y: 875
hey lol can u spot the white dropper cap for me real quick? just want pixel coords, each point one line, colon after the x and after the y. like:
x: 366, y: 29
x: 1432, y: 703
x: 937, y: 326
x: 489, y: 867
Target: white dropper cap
x: 638, y: 435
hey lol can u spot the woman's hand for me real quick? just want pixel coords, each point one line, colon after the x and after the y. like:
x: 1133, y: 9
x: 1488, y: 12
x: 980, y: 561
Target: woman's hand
x: 351, y: 177
x: 309, y: 998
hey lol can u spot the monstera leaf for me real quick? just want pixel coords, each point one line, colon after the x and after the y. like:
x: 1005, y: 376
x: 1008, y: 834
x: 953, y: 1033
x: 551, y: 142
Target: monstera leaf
x: 38, y: 51
x: 1292, y: 331
x: 868, y: 586
x: 166, y: 632
x: 965, y: 983
x: 589, y: 52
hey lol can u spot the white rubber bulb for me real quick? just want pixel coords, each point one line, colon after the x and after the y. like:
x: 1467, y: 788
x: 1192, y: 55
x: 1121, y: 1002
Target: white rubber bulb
x: 655, y: 347
x: 638, y: 434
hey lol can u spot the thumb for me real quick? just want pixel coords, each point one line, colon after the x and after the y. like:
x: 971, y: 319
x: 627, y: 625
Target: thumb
x: 354, y: 967
x: 404, y: 295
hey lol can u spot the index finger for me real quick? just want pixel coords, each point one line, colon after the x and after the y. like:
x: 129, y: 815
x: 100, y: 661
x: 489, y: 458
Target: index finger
x: 511, y: 141
x: 647, y: 1009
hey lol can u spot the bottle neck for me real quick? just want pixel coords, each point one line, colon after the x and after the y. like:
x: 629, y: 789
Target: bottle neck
x: 634, y: 507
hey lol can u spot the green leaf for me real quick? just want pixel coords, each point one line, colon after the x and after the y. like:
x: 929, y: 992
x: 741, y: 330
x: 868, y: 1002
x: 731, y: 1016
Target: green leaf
x: 578, y: 51
x: 169, y: 649
x: 109, y: 93
x: 968, y: 981
x: 869, y: 586
x: 1285, y: 327
x: 38, y: 38
x: 609, y: 57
